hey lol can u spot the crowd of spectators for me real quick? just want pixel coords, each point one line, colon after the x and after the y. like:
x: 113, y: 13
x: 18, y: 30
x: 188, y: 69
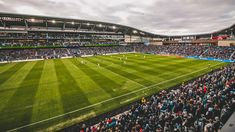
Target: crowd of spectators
x: 181, y: 50
x: 193, y: 50
x: 55, y: 43
x: 24, y: 54
x: 219, y: 52
x: 202, y: 105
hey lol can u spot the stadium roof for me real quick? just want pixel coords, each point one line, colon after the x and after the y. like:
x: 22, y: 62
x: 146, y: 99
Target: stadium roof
x: 44, y: 21
x: 78, y: 24
x: 224, y: 31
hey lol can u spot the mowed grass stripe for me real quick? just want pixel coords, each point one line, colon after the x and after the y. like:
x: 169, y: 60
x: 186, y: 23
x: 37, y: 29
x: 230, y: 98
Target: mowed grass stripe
x: 146, y: 69
x: 10, y: 72
x: 89, y: 87
x: 151, y: 58
x: 18, y: 110
x: 124, y: 81
x: 131, y: 65
x: 103, y: 79
x: 143, y: 65
x: 151, y: 71
x: 9, y: 87
x: 122, y: 71
x: 152, y: 67
x: 48, y: 99
x: 168, y: 73
x: 71, y: 95
x: 5, y: 67
x: 174, y: 66
x: 170, y: 61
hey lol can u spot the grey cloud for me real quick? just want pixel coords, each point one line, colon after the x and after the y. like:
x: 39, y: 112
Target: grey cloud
x: 156, y: 16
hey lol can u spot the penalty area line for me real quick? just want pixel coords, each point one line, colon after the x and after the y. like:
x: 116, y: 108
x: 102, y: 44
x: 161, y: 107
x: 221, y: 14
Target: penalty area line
x: 96, y: 104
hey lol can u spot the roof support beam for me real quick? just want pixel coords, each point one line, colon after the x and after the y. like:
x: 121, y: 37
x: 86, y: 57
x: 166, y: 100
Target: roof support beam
x: 126, y: 30
x: 3, y: 23
x: 79, y: 26
x: 63, y: 26
x: 115, y: 30
x: 46, y: 24
x: 26, y: 24
x: 105, y: 29
x: 93, y: 27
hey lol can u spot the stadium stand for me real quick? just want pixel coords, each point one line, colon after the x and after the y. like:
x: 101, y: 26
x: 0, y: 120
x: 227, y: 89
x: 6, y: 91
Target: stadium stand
x: 181, y: 50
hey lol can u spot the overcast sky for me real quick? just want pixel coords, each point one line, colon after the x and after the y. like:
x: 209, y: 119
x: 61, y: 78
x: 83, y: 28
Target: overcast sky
x: 169, y: 17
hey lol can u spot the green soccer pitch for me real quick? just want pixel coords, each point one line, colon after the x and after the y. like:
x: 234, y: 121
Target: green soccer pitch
x: 52, y: 94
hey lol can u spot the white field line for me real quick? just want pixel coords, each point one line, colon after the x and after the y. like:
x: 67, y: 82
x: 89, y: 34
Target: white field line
x: 110, y: 54
x: 89, y: 106
x: 29, y: 60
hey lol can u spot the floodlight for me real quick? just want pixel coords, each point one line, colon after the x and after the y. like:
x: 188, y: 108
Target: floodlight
x: 88, y: 24
x: 53, y: 21
x: 100, y: 25
x: 73, y: 23
x: 114, y: 27
x: 32, y: 20
x: 134, y: 31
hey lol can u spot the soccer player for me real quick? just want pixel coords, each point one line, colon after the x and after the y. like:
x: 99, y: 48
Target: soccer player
x: 209, y: 67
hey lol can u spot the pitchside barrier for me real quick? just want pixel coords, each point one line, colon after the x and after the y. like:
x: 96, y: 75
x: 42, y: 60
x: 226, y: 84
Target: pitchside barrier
x: 200, y: 58
x: 209, y: 58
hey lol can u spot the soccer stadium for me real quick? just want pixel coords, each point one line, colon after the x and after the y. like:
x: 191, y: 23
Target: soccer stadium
x: 77, y: 75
